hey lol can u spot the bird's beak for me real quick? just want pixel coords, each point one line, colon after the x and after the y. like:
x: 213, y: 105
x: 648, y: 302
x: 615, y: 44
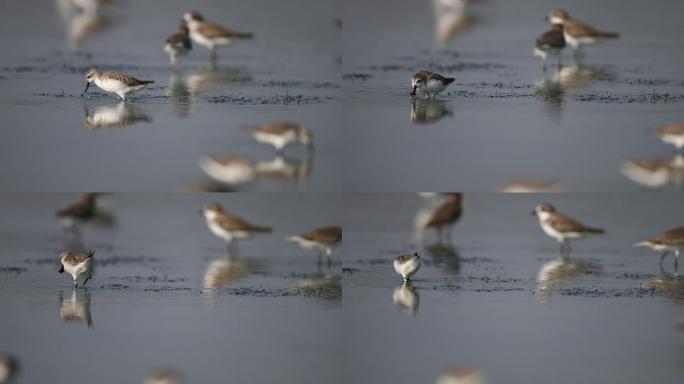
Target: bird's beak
x: 61, y: 270
x: 86, y: 88
x: 533, y: 213
x: 413, y: 93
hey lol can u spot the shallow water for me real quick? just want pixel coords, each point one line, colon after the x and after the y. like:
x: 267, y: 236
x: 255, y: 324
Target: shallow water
x: 154, y: 142
x: 498, y: 300
x: 164, y: 293
x: 504, y: 120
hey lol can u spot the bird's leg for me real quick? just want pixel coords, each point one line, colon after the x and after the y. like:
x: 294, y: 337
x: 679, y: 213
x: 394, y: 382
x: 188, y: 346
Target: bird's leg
x: 676, y: 261
x: 75, y: 283
x: 560, y: 61
x: 439, y: 233
x: 544, y: 67
x: 86, y: 280
x: 662, y: 257
x: 213, y: 56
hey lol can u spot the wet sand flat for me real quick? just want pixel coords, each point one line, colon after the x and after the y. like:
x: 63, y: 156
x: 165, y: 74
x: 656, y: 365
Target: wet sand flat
x: 504, y: 119
x: 55, y: 140
x: 497, y: 299
x: 164, y: 293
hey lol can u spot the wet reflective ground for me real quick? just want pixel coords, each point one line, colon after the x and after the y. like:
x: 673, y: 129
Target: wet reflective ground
x: 503, y: 119
x: 54, y: 140
x: 165, y: 294
x: 497, y: 303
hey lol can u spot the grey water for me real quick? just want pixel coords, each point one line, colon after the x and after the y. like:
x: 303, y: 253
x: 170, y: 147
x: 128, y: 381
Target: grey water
x: 503, y: 119
x: 499, y: 301
x: 166, y: 294
x: 55, y: 140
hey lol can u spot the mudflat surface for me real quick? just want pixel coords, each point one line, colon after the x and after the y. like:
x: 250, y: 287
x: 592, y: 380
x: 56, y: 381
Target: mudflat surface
x: 498, y: 301
x: 165, y: 293
x: 503, y: 119
x: 154, y: 141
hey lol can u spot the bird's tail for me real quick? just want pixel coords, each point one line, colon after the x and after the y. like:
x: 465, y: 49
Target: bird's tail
x: 145, y: 82
x: 293, y: 238
x: 597, y: 231
x: 449, y: 80
x: 609, y: 35
x: 91, y: 254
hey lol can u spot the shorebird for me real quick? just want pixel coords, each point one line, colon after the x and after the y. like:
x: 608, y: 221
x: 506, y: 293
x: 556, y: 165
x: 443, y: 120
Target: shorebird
x: 228, y: 226
x: 455, y: 375
x: 114, y: 82
x: 655, y: 173
x: 670, y: 241
x: 178, y: 45
x: 672, y: 134
x: 165, y: 376
x: 9, y: 367
x: 231, y: 170
x: 446, y: 215
x: 82, y: 211
x: 281, y: 134
x: 211, y: 34
x: 561, y: 227
x: 324, y: 239
x: 77, y: 265
x: 551, y: 44
x: 407, y: 265
x: 576, y: 33
x: 530, y: 186
x: 429, y: 83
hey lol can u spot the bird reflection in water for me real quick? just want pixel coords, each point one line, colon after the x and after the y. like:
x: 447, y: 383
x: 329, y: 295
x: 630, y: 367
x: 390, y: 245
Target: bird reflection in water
x: 555, y: 272
x: 451, y: 19
x: 426, y: 111
x: 205, y: 80
x: 76, y: 308
x: 655, y: 173
x: 177, y: 89
x: 114, y: 115
x: 324, y: 281
x: 552, y: 94
x: 406, y: 298
x: 578, y: 76
x: 445, y: 256
x: 669, y: 283
x: 457, y: 375
x: 552, y: 90
x: 224, y: 272
x: 235, y: 171
x: 83, y: 18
